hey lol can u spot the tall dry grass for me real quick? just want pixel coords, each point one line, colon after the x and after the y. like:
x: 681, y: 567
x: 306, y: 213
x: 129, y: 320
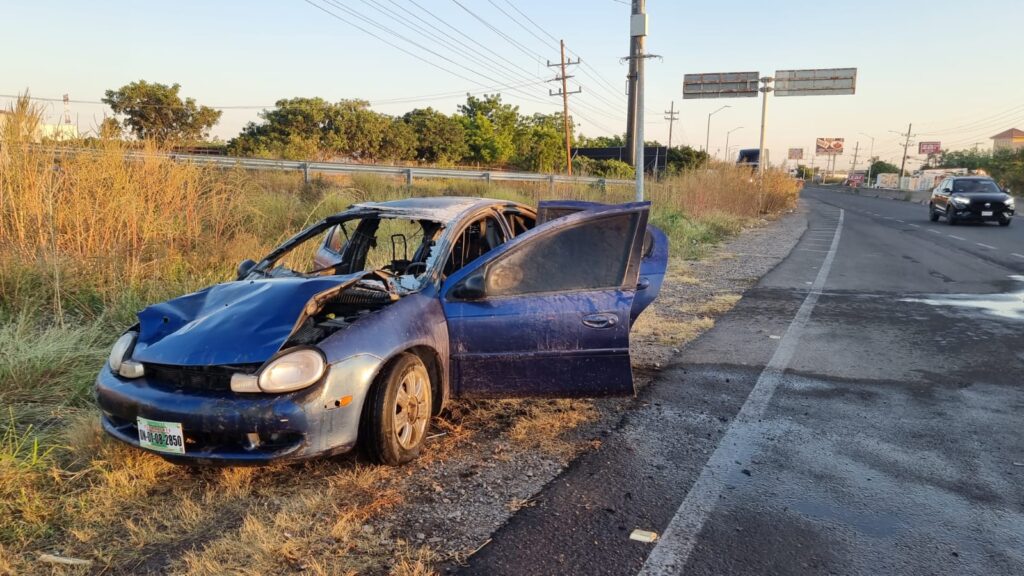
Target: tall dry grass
x: 87, y: 237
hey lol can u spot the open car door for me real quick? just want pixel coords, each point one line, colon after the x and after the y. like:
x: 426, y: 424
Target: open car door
x: 654, y: 256
x: 548, y: 313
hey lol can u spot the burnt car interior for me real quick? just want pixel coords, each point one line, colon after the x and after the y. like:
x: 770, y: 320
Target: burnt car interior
x: 394, y: 252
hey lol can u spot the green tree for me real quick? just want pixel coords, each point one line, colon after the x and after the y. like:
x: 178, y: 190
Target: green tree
x: 617, y: 141
x: 440, y: 139
x: 682, y: 158
x: 156, y: 111
x: 882, y: 167
x: 398, y: 141
x: 490, y: 128
x: 540, y: 144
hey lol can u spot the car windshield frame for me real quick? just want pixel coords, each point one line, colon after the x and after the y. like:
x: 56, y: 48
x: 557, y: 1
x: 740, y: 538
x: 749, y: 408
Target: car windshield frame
x: 975, y: 186
x: 265, y: 267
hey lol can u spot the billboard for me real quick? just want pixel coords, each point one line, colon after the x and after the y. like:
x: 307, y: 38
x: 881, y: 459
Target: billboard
x: 720, y: 85
x: 856, y: 179
x: 929, y: 147
x: 828, y: 146
x: 796, y: 153
x: 816, y: 82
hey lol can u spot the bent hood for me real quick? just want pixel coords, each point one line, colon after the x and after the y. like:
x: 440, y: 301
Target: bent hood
x: 243, y: 322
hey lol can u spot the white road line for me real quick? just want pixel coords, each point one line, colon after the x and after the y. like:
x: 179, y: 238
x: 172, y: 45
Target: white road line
x: 954, y: 236
x: 935, y: 232
x: 670, y: 554
x: 900, y: 221
x: 889, y: 218
x: 986, y: 246
x: 916, y: 225
x: 1017, y: 255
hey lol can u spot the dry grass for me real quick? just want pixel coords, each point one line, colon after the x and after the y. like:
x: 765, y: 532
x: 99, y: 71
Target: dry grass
x: 718, y: 305
x: 672, y: 331
x: 86, y: 239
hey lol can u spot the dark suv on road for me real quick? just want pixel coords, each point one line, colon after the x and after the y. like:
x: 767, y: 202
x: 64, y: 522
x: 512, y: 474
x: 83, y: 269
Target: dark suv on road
x: 970, y: 199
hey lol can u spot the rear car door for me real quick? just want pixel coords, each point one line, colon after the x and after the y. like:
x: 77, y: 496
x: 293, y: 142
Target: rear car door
x: 548, y: 313
x: 654, y: 255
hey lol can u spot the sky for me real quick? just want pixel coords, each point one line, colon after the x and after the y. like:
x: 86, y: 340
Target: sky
x: 949, y: 67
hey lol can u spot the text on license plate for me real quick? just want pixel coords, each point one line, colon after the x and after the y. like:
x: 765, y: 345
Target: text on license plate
x: 161, y: 436
x: 988, y: 213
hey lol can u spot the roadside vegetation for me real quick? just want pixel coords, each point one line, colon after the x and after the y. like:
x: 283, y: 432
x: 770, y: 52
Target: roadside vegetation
x: 89, y: 238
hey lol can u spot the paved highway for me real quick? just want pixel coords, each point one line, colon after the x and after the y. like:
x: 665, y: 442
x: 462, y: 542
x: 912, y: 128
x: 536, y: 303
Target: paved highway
x: 861, y: 411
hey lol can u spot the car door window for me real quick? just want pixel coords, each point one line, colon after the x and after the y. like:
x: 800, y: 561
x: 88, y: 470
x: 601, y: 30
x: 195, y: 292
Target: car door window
x: 475, y: 240
x: 593, y: 254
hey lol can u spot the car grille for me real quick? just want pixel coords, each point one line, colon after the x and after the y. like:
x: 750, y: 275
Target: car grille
x: 978, y: 206
x: 195, y: 377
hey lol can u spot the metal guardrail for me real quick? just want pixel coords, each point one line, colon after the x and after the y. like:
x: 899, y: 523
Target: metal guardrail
x: 407, y: 172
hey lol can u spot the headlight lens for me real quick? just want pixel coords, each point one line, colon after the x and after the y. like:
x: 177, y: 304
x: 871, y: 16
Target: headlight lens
x: 961, y: 200
x: 292, y: 371
x: 120, y: 351
x: 1010, y: 202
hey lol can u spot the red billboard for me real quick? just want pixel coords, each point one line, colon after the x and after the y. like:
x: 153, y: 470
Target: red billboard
x: 929, y: 148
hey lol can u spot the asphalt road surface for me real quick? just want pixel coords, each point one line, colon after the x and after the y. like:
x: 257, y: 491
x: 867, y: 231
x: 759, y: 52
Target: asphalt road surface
x: 861, y: 411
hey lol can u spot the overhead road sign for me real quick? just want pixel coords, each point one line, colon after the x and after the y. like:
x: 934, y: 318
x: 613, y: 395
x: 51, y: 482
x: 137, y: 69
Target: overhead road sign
x: 828, y: 146
x: 720, y: 85
x: 816, y: 82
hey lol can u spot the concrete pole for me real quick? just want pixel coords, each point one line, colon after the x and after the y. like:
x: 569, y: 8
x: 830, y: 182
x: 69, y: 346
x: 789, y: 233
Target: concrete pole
x: 636, y: 46
x: 764, y: 114
x: 639, y: 154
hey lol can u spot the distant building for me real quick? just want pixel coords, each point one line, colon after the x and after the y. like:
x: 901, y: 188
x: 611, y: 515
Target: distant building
x: 59, y: 132
x: 1012, y: 139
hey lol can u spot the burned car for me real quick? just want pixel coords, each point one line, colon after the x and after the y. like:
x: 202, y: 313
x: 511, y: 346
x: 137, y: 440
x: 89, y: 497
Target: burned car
x: 361, y: 327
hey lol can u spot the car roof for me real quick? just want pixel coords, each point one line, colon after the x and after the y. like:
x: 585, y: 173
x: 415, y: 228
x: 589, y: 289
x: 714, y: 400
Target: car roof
x: 436, y: 208
x: 972, y: 178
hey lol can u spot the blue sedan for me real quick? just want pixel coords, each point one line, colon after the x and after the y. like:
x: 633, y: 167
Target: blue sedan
x: 359, y: 329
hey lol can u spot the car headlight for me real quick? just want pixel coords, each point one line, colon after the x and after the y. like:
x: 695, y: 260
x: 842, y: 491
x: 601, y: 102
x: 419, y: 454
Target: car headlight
x: 1010, y: 202
x: 120, y: 361
x: 960, y: 200
x: 286, y: 373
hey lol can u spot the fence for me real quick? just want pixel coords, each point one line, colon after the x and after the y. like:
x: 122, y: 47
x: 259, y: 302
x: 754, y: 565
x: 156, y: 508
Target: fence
x: 407, y: 172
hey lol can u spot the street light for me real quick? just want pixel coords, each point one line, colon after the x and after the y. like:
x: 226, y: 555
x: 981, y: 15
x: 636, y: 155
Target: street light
x: 707, y: 137
x: 727, y: 140
x: 871, y: 154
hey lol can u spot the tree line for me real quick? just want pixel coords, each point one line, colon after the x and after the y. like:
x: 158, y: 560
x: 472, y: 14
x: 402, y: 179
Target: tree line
x: 483, y: 131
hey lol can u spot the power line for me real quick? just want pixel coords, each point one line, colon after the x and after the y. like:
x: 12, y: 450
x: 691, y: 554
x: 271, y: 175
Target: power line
x: 508, y: 38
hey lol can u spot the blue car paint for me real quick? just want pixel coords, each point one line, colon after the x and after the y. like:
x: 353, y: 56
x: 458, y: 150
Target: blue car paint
x: 538, y: 344
x: 240, y: 322
x: 652, y: 266
x: 248, y: 321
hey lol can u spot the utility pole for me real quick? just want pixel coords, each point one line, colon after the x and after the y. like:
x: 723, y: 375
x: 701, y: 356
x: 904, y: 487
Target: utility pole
x: 856, y: 150
x: 672, y: 117
x: 636, y: 47
x: 564, y: 93
x: 906, y: 144
x: 764, y: 90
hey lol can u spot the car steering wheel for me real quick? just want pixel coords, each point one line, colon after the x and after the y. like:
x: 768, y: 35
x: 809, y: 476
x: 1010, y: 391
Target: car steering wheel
x: 413, y: 265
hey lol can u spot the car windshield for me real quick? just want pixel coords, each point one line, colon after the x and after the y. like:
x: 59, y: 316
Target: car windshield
x: 401, y: 247
x: 974, y: 187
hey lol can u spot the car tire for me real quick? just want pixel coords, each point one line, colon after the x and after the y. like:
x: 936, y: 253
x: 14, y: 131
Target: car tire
x: 396, y: 414
x: 932, y: 214
x: 950, y: 219
x: 1005, y: 222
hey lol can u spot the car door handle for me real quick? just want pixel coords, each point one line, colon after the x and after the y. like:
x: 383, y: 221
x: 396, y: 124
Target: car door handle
x: 602, y: 320
x: 643, y: 284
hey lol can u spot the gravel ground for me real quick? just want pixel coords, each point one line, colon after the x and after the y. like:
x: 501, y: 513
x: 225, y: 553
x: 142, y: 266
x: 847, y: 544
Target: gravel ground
x: 472, y: 478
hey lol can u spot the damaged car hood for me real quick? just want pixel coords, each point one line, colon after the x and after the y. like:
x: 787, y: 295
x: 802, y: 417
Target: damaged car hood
x: 244, y: 322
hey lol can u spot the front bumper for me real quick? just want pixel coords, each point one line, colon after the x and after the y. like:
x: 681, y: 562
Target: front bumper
x: 975, y: 215
x: 217, y: 424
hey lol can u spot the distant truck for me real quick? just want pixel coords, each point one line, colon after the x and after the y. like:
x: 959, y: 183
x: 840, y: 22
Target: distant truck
x: 750, y: 157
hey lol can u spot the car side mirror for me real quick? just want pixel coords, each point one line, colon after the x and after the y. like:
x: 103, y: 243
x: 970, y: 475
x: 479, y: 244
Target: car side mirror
x: 471, y: 288
x: 244, y: 267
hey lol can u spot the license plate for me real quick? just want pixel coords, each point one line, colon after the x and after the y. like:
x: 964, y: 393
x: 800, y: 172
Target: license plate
x: 988, y: 213
x: 161, y: 436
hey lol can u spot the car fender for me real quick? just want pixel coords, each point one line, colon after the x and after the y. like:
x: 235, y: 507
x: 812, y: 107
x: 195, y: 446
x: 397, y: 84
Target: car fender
x: 415, y: 322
